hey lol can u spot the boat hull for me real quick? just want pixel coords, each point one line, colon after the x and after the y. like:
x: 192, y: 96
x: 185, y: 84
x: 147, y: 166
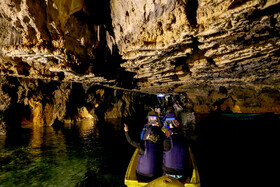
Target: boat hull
x: 131, y: 178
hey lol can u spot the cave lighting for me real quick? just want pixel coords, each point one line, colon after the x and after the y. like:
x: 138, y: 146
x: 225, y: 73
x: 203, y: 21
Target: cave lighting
x: 160, y: 95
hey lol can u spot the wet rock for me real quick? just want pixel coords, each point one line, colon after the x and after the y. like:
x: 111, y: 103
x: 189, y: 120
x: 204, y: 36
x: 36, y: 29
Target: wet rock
x: 83, y: 114
x: 36, y: 112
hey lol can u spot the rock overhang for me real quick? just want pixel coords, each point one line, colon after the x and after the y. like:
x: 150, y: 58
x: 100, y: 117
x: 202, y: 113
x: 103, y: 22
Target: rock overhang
x: 149, y: 46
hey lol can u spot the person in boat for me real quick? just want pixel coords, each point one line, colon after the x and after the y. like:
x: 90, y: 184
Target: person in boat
x: 153, y: 120
x: 175, y: 154
x: 169, y: 116
x: 150, y: 154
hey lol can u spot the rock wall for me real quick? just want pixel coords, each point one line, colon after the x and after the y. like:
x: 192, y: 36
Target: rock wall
x: 111, y: 103
x: 176, y: 44
x: 219, y: 54
x: 146, y: 45
x: 33, y: 101
x: 234, y: 99
x: 69, y: 40
x: 26, y: 102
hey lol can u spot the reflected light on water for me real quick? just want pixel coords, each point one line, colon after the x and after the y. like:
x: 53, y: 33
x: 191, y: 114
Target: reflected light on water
x: 64, y: 155
x: 2, y: 141
x: 46, y: 137
x: 47, y: 156
x: 86, y: 127
x: 36, y: 140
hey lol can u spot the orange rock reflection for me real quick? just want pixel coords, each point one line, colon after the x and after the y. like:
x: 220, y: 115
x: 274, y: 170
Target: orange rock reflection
x: 46, y: 137
x: 86, y: 127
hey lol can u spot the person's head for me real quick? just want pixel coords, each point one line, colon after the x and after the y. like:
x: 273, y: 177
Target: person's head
x: 153, y: 118
x: 173, y: 128
x: 169, y: 117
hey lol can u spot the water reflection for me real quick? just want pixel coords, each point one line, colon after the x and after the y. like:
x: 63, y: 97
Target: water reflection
x: 43, y: 138
x: 87, y: 127
x: 37, y: 137
x: 70, y: 155
x: 2, y: 142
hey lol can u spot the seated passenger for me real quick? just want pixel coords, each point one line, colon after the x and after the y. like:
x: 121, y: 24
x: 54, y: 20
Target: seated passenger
x: 168, y: 117
x: 150, y: 154
x: 175, y: 154
x: 153, y: 120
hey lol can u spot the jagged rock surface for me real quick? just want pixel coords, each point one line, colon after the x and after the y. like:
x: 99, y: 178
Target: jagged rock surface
x: 57, y: 40
x: 181, y: 43
x: 193, y: 47
x: 43, y: 102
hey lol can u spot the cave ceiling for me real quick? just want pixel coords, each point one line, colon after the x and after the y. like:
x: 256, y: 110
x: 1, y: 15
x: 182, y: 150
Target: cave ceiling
x: 149, y: 46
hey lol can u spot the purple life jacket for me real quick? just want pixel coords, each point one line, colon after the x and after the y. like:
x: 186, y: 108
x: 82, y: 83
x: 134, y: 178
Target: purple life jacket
x: 147, y: 163
x: 174, y: 158
x: 148, y: 131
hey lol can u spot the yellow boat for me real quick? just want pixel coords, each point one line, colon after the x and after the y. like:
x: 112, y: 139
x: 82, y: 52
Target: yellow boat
x: 131, y: 179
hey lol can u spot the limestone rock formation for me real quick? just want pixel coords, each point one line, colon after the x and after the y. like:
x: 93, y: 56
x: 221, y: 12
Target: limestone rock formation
x: 53, y: 39
x: 180, y: 43
x: 83, y: 114
x: 196, y: 48
x: 39, y: 103
x: 164, y: 43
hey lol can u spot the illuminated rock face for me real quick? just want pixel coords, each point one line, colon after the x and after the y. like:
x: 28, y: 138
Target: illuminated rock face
x: 43, y: 103
x: 234, y: 99
x: 56, y: 40
x: 192, y: 42
x: 193, y: 47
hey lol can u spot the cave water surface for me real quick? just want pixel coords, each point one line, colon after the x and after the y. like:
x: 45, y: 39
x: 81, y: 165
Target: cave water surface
x: 231, y: 149
x: 84, y: 154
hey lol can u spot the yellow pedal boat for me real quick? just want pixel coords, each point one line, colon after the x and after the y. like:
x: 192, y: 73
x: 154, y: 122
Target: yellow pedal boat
x: 131, y: 179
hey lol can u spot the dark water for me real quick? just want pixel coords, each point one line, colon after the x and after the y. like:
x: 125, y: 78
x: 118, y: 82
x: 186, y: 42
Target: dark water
x: 238, y: 150
x: 229, y: 152
x: 84, y: 154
